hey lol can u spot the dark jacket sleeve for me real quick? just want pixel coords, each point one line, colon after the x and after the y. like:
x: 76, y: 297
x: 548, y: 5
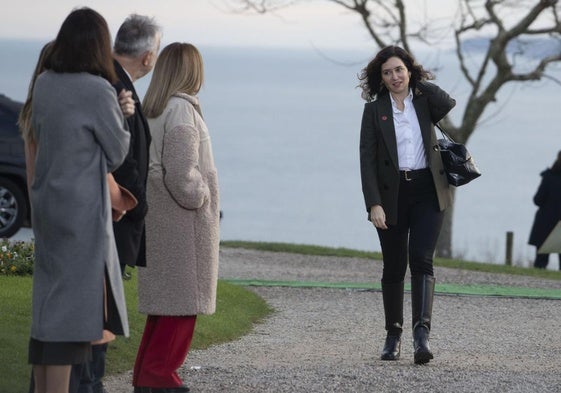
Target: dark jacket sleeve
x: 439, y: 102
x: 368, y: 150
x: 541, y: 193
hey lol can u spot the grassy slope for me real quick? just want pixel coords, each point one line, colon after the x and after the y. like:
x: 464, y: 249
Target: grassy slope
x: 237, y: 311
x: 345, y: 252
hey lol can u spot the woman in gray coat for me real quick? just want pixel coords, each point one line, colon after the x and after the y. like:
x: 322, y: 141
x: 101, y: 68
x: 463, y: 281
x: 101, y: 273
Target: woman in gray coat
x: 182, y: 237
x: 79, y: 130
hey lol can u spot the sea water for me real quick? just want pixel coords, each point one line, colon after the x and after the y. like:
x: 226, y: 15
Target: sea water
x: 285, y: 127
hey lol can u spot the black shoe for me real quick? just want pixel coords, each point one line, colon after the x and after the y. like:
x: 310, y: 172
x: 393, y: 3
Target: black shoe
x: 421, y: 346
x: 142, y: 389
x: 392, y: 348
x: 178, y: 389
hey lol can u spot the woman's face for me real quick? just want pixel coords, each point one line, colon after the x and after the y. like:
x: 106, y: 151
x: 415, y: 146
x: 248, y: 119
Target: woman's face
x: 395, y: 76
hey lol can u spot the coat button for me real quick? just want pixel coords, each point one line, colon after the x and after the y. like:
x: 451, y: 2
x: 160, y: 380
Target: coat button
x: 386, y: 187
x: 436, y: 148
x: 442, y: 172
x: 386, y: 162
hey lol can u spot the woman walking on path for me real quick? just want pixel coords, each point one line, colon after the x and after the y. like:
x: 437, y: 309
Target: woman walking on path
x: 78, y: 128
x: 548, y: 200
x: 182, y: 234
x: 404, y: 185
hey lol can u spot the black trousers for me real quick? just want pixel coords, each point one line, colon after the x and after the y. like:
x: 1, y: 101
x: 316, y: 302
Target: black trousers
x: 543, y: 259
x: 418, y: 226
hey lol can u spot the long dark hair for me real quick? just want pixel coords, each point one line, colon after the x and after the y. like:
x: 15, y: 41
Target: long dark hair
x: 24, y: 119
x: 371, y: 76
x: 83, y: 44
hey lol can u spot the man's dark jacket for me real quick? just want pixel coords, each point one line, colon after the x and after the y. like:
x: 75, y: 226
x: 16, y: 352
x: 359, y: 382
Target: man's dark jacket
x: 132, y: 174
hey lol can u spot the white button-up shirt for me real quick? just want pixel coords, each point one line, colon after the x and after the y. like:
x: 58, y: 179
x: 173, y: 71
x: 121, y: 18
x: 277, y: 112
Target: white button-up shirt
x: 410, y: 149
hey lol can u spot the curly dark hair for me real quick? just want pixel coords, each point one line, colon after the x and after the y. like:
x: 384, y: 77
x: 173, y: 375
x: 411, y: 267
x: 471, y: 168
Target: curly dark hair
x: 371, y: 76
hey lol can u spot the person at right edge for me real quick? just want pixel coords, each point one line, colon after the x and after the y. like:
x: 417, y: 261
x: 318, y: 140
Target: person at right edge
x: 404, y: 185
x: 548, y: 200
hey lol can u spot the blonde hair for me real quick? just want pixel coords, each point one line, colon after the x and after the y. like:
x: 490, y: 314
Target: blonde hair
x: 179, y: 69
x: 24, y: 120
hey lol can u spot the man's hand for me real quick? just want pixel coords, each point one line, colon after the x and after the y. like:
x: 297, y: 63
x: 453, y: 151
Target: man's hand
x: 126, y: 102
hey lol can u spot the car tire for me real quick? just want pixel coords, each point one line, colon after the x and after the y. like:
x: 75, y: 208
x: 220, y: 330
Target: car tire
x: 13, y: 208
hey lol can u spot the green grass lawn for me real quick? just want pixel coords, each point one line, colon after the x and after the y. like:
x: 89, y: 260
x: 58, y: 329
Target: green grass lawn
x: 346, y: 252
x: 237, y: 309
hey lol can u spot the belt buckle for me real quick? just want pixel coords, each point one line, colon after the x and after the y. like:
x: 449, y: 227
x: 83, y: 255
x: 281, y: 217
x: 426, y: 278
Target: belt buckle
x: 407, y: 178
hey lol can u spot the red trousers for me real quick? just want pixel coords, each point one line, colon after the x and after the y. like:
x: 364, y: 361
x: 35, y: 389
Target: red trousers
x: 163, y: 349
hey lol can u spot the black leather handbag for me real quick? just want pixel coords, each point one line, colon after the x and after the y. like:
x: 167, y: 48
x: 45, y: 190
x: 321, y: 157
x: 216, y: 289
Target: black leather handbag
x: 458, y: 163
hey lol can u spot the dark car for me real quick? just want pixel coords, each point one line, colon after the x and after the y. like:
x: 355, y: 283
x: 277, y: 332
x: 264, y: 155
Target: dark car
x: 14, y: 203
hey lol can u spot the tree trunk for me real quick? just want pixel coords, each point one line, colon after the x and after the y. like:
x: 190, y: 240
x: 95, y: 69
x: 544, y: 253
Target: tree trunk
x: 444, y: 245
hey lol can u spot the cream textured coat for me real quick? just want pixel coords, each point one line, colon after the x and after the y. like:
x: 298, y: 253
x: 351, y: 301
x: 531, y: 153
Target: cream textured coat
x: 182, y: 224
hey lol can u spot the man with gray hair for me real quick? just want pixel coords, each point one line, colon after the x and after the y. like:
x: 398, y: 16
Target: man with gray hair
x: 135, y: 51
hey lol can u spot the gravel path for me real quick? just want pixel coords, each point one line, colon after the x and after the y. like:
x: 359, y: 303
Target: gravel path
x: 329, y: 340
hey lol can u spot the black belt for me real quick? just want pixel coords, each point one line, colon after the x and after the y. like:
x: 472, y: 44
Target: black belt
x: 414, y: 174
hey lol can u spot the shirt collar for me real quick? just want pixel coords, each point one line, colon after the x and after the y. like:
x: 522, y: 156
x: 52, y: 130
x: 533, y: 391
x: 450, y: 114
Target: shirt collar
x: 408, y: 100
x: 126, y: 72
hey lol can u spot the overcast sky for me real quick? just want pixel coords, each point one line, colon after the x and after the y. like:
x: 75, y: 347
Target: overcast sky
x: 316, y: 23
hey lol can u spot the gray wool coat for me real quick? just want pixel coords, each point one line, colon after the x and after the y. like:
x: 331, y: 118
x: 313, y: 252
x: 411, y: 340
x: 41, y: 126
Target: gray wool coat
x: 182, y: 224
x: 80, y: 137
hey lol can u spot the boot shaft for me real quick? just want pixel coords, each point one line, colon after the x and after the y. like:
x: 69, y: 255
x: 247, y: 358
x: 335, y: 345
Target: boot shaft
x: 392, y: 295
x: 422, y: 294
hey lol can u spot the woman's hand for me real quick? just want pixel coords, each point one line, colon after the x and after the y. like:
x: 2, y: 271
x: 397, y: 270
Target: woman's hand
x: 378, y: 217
x: 126, y: 102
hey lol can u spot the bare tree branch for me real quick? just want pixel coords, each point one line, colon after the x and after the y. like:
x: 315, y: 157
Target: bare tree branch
x: 264, y: 6
x: 530, y: 18
x: 538, y: 72
x: 490, y: 7
x: 344, y: 4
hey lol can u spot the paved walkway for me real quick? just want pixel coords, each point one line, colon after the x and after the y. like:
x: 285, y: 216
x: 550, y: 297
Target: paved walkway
x: 328, y: 339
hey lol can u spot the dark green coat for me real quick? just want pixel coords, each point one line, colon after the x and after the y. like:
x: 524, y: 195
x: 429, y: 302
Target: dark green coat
x: 378, y: 148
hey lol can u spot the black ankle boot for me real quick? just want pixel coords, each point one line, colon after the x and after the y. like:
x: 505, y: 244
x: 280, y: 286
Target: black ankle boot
x: 392, y: 348
x: 392, y: 294
x: 422, y: 293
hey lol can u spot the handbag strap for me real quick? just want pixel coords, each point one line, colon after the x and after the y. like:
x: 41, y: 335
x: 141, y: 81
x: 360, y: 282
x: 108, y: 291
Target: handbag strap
x: 444, y: 133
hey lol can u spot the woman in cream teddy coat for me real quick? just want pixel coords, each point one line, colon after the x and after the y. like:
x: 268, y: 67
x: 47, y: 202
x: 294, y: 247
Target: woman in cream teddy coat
x: 182, y: 234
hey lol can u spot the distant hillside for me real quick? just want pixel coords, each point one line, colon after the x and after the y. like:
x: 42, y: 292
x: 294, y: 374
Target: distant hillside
x: 531, y: 48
